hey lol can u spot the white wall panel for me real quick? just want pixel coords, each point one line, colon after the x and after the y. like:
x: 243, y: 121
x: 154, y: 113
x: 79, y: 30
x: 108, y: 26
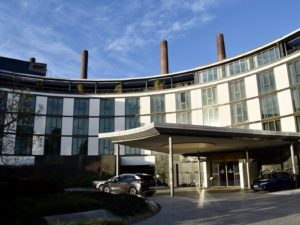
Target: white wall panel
x: 38, y: 141
x: 38, y: 145
x: 255, y: 126
x: 93, y: 146
x: 119, y: 106
x: 67, y: 126
x: 281, y: 77
x: 94, y: 107
x: 285, y: 102
x: 196, y: 104
x: 223, y: 93
x: 145, y: 110
x: 68, y: 107
x: 288, y: 124
x: 224, y: 116
x: 137, y: 160
x: 66, y: 145
x: 253, y: 109
x: 251, y: 86
x: 93, y: 126
x: 41, y: 105
x: 170, y: 106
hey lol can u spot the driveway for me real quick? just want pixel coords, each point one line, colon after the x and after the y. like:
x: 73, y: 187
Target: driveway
x: 226, y: 206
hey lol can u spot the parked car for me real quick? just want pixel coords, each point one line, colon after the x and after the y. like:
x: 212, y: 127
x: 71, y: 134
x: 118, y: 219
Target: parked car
x: 138, y: 183
x: 273, y: 181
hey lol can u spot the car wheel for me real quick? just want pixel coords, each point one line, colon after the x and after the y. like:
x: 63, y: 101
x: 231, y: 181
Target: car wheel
x: 132, y: 191
x: 106, y: 189
x: 100, y: 187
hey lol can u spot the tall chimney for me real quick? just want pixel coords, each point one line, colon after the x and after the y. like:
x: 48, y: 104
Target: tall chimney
x: 164, y: 64
x: 32, y: 60
x: 84, y: 64
x: 221, y: 47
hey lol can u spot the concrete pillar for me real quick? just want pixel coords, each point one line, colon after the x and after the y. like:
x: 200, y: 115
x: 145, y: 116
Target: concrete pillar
x: 199, y: 174
x: 221, y: 47
x: 171, y: 171
x: 164, y: 63
x: 84, y: 64
x: 293, y: 158
x: 247, y: 169
x: 118, y: 160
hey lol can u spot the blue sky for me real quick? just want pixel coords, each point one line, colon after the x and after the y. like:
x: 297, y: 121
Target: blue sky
x: 123, y: 36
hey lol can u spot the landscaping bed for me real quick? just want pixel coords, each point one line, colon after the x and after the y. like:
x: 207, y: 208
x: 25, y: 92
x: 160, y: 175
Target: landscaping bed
x: 17, y: 210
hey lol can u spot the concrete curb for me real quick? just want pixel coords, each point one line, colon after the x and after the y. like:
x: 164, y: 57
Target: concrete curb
x: 101, y: 214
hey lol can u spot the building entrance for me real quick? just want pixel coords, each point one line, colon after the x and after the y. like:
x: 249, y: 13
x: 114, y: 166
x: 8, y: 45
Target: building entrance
x: 225, y: 174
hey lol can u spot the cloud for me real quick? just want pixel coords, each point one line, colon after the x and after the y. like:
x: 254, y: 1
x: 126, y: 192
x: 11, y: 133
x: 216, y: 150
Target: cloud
x: 56, y: 31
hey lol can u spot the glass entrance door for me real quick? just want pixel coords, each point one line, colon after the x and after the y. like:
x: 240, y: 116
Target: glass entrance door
x: 225, y: 174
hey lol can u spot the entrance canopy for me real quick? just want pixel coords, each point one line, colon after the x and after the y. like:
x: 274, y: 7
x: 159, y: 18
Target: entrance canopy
x: 191, y: 139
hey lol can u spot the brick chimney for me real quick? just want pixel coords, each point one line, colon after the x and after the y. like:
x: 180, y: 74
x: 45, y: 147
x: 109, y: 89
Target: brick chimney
x: 221, y: 47
x: 164, y: 64
x: 84, y: 64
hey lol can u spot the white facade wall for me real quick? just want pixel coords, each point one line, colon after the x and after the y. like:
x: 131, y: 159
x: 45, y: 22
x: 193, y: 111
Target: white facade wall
x: 285, y: 102
x: 196, y: 104
x: 281, y: 77
x: 170, y: 108
x: 288, y: 124
x: 145, y: 110
x: 68, y: 107
x: 224, y: 116
x: 223, y: 93
x: 66, y: 146
x: 251, y: 86
x: 253, y: 108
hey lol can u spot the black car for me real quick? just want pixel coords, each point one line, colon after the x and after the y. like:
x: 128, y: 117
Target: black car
x: 138, y: 183
x: 273, y: 181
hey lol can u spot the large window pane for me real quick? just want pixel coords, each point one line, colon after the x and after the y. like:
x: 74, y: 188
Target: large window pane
x: 269, y: 106
x: 239, y: 112
x: 266, y: 82
x: 209, y: 96
x: 210, y: 116
x: 157, y: 106
x: 183, y: 106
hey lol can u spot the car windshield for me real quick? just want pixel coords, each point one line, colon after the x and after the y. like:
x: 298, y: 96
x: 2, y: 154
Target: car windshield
x: 265, y: 176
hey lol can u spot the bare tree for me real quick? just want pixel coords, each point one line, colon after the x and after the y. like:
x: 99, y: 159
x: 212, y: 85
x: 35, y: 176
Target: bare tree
x: 17, y: 110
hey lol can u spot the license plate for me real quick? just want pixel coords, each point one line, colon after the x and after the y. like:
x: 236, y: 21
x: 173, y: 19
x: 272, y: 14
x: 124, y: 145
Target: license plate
x: 256, y: 186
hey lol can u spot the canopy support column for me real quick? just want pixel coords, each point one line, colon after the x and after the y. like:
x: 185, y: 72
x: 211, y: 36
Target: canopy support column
x: 293, y: 158
x: 171, y: 171
x: 118, y: 160
x: 247, y: 169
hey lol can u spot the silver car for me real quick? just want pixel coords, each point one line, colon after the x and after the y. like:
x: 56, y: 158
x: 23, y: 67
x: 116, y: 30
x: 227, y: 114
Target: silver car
x: 138, y: 183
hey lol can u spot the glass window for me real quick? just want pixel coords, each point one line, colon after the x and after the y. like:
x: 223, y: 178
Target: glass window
x: 294, y: 71
x: 106, y: 124
x: 183, y: 106
x: 237, y: 67
x: 237, y: 90
x: 80, y: 126
x: 211, y: 74
x: 296, y: 99
x: 25, y: 124
x: 269, y: 106
x: 55, y: 106
x: 298, y: 123
x: 265, y: 57
x: 266, y: 82
x: 157, y: 105
x: 209, y: 96
x: 107, y: 107
x: 210, y: 116
x: 81, y: 107
x: 79, y: 146
x: 239, y: 112
x: 272, y: 125
x: 132, y: 120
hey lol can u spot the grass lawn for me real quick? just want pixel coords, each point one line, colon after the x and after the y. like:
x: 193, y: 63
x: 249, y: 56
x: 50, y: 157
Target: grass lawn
x: 17, y: 210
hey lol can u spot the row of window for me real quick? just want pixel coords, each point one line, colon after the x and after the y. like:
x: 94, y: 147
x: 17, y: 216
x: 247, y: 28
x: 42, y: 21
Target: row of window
x: 268, y: 104
x: 239, y: 66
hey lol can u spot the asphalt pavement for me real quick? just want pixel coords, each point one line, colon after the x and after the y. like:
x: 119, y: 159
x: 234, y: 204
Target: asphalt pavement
x: 226, y: 206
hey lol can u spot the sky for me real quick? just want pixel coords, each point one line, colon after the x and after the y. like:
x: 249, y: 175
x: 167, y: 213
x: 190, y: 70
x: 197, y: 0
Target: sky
x: 123, y: 36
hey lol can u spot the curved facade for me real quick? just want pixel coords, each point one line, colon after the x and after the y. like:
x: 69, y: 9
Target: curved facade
x: 259, y: 89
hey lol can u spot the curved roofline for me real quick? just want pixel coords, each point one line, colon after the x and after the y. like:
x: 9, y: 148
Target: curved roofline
x: 163, y: 75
